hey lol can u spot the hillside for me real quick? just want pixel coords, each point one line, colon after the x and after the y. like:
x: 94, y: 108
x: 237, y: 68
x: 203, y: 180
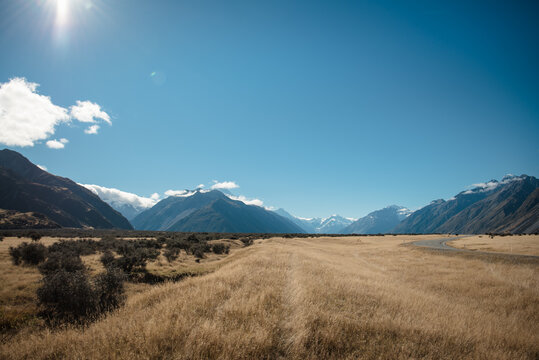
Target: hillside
x: 511, y: 205
x: 12, y: 219
x: 26, y: 188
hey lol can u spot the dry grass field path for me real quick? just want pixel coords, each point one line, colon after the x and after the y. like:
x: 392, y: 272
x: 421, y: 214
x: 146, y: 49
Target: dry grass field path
x: 318, y: 298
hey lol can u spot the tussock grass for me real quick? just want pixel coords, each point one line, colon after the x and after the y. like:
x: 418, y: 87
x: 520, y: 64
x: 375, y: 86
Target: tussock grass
x: 512, y: 244
x: 325, y: 298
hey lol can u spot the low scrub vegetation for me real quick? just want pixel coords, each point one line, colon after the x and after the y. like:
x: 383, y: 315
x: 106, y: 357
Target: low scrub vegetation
x: 70, y: 292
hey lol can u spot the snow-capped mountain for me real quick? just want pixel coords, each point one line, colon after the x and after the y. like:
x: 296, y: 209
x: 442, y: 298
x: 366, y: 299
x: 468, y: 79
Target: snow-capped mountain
x: 379, y: 221
x: 333, y: 224
x: 330, y: 225
x: 510, y: 205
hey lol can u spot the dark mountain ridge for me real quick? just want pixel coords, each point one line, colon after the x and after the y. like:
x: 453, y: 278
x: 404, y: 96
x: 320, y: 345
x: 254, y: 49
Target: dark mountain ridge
x: 507, y: 206
x: 25, y: 187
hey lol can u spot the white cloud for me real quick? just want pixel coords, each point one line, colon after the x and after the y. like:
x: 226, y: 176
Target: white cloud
x: 88, y: 112
x: 119, y: 197
x: 25, y: 115
x: 92, y: 129
x: 179, y: 193
x: 44, y: 168
x: 224, y: 185
x: 246, y: 201
x: 491, y: 185
x: 200, y: 186
x: 57, y: 144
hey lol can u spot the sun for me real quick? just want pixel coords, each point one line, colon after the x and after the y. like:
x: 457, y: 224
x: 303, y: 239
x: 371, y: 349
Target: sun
x: 62, y: 13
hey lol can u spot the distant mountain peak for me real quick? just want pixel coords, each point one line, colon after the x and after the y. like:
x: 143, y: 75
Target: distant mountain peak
x: 379, y: 221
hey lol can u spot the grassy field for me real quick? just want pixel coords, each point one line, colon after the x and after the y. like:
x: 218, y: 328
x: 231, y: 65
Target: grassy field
x: 18, y: 310
x: 522, y: 244
x: 355, y: 297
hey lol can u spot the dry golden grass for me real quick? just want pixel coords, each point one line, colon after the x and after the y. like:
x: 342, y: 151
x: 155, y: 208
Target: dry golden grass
x: 365, y: 297
x: 18, y: 285
x: 521, y: 244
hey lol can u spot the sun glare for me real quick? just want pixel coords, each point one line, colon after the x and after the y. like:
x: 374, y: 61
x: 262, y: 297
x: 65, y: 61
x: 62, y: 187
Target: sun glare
x: 62, y: 13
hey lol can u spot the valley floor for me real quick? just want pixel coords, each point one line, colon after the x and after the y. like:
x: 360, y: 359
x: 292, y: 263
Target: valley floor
x: 521, y: 244
x: 350, y: 297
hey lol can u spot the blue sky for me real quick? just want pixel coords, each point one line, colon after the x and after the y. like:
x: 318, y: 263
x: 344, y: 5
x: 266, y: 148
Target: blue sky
x: 318, y: 107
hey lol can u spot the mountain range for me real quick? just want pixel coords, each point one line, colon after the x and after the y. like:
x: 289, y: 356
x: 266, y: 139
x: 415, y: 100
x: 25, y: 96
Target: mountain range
x: 330, y: 225
x: 511, y: 205
x: 36, y: 198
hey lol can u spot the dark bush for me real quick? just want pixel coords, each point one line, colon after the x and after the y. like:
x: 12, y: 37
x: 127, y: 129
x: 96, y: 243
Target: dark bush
x: 109, y: 242
x: 34, y: 236
x: 247, y: 241
x: 197, y: 251
x: 61, y: 261
x: 147, y: 243
x: 72, y: 296
x: 31, y: 254
x: 109, y: 288
x: 107, y: 259
x: 192, y: 238
x: 67, y: 295
x: 134, y: 259
x: 171, y: 254
x: 220, y: 248
x: 178, y: 243
x: 80, y: 247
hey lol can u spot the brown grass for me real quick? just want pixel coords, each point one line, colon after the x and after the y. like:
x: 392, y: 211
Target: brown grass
x: 521, y: 244
x: 18, y: 285
x: 347, y: 298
